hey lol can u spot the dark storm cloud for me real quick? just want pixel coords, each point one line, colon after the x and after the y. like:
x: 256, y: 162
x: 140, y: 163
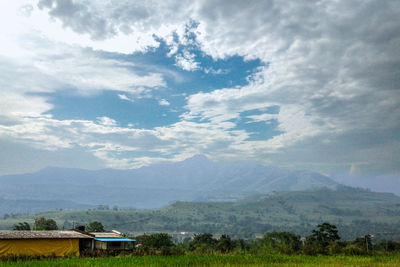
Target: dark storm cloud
x: 79, y: 18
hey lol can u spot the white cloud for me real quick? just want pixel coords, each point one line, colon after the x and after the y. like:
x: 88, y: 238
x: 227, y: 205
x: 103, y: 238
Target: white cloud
x: 187, y: 61
x: 163, y: 102
x: 106, y: 121
x: 125, y: 97
x: 331, y: 67
x: 31, y: 64
x: 117, y: 26
x: 88, y: 73
x: 216, y: 72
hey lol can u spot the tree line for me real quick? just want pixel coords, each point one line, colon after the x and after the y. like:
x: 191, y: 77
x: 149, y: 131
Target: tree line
x: 43, y: 224
x: 324, y: 239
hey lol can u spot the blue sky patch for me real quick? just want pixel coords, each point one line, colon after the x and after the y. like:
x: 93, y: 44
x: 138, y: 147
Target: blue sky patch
x: 143, y: 113
x: 147, y: 112
x: 213, y: 74
x: 259, y: 130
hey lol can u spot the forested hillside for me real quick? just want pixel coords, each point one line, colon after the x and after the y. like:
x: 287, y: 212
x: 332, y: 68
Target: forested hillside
x: 355, y: 212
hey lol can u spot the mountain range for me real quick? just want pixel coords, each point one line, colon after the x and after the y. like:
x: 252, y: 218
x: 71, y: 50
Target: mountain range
x: 155, y: 186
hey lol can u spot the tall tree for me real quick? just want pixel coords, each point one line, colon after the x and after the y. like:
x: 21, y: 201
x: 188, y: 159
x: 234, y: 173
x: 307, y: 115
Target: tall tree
x: 45, y: 224
x: 321, y: 238
x: 365, y: 243
x: 326, y: 233
x: 95, y: 226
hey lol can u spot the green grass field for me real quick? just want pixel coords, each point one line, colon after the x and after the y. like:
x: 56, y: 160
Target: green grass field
x: 218, y: 260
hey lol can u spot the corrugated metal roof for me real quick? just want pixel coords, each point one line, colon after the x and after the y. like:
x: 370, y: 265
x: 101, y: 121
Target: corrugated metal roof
x: 115, y: 239
x: 106, y: 235
x: 42, y: 235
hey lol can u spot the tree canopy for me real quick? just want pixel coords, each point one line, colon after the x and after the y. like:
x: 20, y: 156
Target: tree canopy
x: 322, y: 238
x: 95, y: 226
x: 22, y: 226
x: 44, y: 224
x: 160, y: 240
x: 282, y: 242
x: 203, y: 242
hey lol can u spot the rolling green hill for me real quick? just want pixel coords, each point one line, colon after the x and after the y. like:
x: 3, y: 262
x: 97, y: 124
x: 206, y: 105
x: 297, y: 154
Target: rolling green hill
x: 355, y: 212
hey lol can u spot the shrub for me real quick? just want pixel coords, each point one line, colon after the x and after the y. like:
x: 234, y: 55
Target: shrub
x: 225, y: 244
x: 282, y: 242
x: 203, y: 242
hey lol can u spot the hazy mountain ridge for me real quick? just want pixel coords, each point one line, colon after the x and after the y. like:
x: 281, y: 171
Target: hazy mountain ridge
x: 196, y: 178
x: 343, y: 195
x: 377, y: 183
x: 12, y: 206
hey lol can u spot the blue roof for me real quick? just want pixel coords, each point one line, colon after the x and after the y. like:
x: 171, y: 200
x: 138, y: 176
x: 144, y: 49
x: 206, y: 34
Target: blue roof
x: 115, y: 239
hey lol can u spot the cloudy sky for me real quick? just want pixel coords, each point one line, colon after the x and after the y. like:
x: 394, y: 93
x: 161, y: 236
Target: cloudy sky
x: 121, y: 84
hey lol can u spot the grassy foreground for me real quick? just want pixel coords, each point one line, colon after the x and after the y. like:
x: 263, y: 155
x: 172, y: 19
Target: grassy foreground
x: 218, y: 260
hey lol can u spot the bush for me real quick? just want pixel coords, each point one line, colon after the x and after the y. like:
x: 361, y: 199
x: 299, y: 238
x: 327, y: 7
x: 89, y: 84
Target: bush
x: 225, y: 244
x: 203, y: 243
x: 159, y: 241
x: 336, y: 248
x: 22, y: 226
x: 388, y: 246
x: 143, y: 251
x: 312, y: 248
x: 352, y: 249
x: 282, y: 242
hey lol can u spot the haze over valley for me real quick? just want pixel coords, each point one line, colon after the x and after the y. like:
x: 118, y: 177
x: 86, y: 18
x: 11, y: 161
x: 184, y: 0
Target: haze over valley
x: 155, y: 186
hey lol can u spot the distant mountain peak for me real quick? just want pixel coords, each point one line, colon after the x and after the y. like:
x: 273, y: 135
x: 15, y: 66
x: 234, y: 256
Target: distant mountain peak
x: 196, y: 178
x: 198, y: 158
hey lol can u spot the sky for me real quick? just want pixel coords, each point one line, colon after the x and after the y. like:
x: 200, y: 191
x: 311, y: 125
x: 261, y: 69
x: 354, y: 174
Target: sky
x: 312, y: 85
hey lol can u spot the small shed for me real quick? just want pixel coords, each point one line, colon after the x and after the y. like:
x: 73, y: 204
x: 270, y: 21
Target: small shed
x: 42, y: 243
x: 112, y: 241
